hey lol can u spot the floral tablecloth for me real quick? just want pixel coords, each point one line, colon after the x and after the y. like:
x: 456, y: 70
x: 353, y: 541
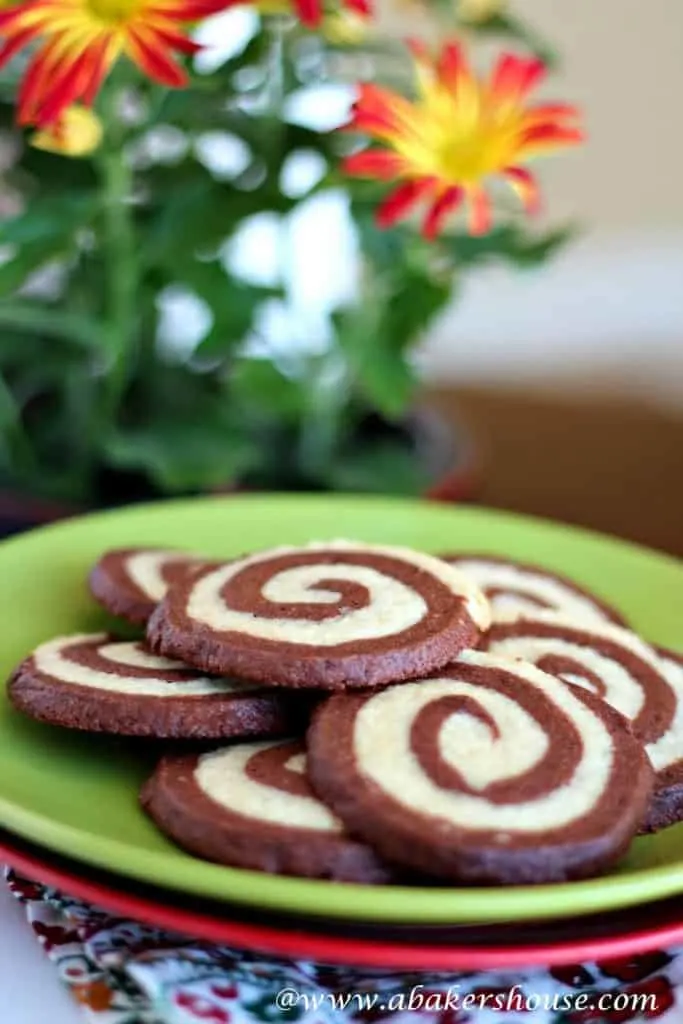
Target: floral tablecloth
x: 123, y: 972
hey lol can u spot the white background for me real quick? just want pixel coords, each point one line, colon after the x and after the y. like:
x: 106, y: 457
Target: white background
x: 30, y: 991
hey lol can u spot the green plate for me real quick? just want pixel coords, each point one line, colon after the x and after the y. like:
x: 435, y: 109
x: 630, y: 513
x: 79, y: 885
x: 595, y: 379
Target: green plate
x: 78, y: 794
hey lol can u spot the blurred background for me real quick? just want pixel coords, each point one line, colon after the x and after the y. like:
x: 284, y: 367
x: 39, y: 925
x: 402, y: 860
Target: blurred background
x: 581, y: 363
x: 607, y: 313
x: 263, y: 356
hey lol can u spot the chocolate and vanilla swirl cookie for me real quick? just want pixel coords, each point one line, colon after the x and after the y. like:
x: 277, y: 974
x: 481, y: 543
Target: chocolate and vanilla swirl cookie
x: 130, y: 582
x: 667, y: 803
x: 620, y: 668
x: 332, y: 616
x: 250, y: 805
x: 491, y: 771
x: 520, y: 588
x: 96, y: 683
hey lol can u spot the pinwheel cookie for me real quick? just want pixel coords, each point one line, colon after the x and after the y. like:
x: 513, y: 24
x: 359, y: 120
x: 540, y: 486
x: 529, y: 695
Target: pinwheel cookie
x: 130, y: 582
x: 492, y: 771
x: 330, y: 616
x: 250, y: 805
x: 95, y: 683
x: 644, y: 685
x: 519, y: 588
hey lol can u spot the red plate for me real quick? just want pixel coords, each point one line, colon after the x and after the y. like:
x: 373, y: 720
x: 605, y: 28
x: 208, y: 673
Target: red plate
x: 461, y: 948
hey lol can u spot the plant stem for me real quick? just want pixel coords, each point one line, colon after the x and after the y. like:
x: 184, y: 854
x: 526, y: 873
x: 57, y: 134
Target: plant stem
x: 121, y: 264
x: 327, y: 396
x: 275, y: 80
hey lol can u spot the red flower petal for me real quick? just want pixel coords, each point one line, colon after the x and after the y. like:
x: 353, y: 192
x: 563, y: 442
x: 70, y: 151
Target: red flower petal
x: 362, y: 7
x: 399, y: 202
x: 526, y: 187
x: 448, y: 201
x: 14, y: 43
x: 375, y: 163
x: 12, y: 15
x: 37, y: 80
x: 67, y: 85
x: 480, y: 210
x: 100, y: 63
x: 514, y: 77
x: 154, y: 61
x: 542, y: 137
x: 376, y: 111
x: 552, y: 112
x: 452, y: 66
x: 177, y: 41
x: 187, y: 10
x: 309, y: 11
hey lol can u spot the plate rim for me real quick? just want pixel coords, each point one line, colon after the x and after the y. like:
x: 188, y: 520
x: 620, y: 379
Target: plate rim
x: 313, y: 497
x: 364, y: 953
x: 434, y: 905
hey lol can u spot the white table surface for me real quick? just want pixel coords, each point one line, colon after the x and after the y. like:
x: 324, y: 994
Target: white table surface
x: 28, y: 981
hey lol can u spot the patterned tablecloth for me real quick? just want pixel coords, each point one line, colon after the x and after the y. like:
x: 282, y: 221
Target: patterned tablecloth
x: 122, y: 972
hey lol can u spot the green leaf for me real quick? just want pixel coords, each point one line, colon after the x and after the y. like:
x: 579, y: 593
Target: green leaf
x: 257, y: 386
x: 27, y: 260
x: 376, y: 361
x: 187, y: 204
x: 48, y: 218
x: 35, y: 318
x: 44, y: 232
x: 232, y: 302
x: 385, y: 467
x: 510, y: 243
x: 184, y: 454
x: 508, y: 26
x: 41, y: 174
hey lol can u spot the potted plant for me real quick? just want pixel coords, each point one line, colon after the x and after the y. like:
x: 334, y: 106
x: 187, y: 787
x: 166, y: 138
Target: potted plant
x: 135, y: 161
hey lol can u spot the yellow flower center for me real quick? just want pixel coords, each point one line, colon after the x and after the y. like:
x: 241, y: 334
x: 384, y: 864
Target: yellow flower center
x: 460, y: 141
x: 112, y: 12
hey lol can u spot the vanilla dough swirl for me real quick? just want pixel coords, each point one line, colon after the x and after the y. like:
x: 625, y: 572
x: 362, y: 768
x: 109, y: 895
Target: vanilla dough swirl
x: 124, y: 667
x: 266, y: 782
x: 330, y: 615
x: 614, y: 663
x: 517, y: 589
x: 130, y: 582
x: 251, y: 805
x: 491, y: 770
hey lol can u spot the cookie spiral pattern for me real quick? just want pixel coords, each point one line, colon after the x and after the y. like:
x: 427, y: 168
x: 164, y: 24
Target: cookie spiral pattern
x: 130, y: 582
x: 97, y: 684
x: 519, y: 589
x: 251, y: 805
x: 667, y: 804
x: 117, y: 666
x: 641, y: 683
x: 266, y: 782
x: 330, y: 615
x: 492, y: 771
x: 615, y: 664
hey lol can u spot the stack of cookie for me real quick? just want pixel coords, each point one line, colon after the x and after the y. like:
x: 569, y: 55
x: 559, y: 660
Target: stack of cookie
x: 392, y: 716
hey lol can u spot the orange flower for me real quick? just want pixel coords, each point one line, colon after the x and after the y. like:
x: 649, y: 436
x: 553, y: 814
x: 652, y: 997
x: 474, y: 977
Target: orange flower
x: 81, y: 41
x: 458, y: 132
